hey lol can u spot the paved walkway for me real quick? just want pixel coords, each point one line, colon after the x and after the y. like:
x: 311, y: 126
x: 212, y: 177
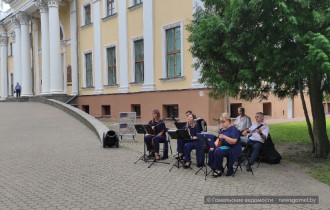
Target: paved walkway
x: 49, y: 160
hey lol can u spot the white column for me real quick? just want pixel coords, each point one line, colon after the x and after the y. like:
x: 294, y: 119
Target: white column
x: 148, y: 33
x: 25, y: 56
x: 17, y: 52
x: 36, y: 57
x: 56, y: 72
x: 45, y: 63
x: 4, y: 66
x: 123, y: 50
x: 74, y: 47
x: 290, y: 108
x: 196, y: 72
x: 97, y: 47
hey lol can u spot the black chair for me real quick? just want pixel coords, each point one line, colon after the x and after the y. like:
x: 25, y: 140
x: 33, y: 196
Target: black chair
x: 167, y: 139
x: 242, y: 160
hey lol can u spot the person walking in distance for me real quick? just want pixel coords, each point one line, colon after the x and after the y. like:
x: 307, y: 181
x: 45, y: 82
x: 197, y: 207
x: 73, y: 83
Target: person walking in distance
x: 18, y: 90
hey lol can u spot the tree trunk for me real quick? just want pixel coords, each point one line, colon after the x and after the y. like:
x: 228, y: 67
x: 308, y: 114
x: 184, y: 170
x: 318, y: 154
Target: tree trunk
x: 319, y: 124
x: 309, y: 126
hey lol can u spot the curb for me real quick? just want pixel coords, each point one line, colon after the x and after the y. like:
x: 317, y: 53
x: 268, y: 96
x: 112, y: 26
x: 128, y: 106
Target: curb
x: 92, y: 123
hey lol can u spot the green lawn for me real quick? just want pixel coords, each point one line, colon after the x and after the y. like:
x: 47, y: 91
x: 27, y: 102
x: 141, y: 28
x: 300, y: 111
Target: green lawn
x: 293, y: 132
x: 293, y: 140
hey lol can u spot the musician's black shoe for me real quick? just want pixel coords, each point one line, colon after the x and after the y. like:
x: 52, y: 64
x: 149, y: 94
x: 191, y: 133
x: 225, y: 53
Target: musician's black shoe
x: 229, y: 172
x: 186, y: 166
x: 152, y: 155
x: 216, y: 174
x: 248, y: 167
x: 164, y: 158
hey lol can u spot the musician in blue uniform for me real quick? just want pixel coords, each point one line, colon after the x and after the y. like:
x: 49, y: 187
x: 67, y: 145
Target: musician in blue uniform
x: 185, y: 146
x: 152, y: 141
x: 230, y: 148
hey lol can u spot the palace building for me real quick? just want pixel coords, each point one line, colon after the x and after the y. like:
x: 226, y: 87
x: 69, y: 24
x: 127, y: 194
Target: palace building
x: 114, y: 56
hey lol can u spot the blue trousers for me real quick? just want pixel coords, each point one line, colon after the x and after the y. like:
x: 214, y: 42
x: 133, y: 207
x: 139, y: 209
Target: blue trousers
x: 152, y: 143
x: 189, y: 146
x: 256, y: 148
x: 216, y: 159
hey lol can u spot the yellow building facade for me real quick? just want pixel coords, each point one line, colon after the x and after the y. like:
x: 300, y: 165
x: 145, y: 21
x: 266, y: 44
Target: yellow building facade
x: 115, y: 56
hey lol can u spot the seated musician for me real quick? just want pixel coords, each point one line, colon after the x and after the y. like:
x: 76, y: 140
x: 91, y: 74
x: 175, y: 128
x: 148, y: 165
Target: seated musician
x: 152, y: 141
x: 186, y: 146
x: 230, y: 147
x: 243, y: 121
x: 200, y: 122
x: 258, y: 134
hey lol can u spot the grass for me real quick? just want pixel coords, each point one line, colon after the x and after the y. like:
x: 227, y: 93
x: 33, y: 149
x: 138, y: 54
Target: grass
x: 293, y: 132
x: 293, y: 142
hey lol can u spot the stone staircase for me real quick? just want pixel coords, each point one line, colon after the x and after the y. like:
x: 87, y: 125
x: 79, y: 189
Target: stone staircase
x: 71, y: 100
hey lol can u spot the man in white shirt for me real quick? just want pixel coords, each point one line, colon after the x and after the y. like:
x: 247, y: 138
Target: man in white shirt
x: 258, y: 134
x: 243, y: 121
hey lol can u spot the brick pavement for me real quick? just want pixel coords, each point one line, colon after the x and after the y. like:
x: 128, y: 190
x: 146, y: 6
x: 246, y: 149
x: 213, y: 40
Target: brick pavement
x: 49, y: 160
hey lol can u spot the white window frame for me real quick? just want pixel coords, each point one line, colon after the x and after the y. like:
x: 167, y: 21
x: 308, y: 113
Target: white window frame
x: 83, y: 12
x: 105, y: 9
x: 106, y: 78
x: 134, y: 39
x: 84, y: 66
x: 131, y: 3
x: 164, y: 47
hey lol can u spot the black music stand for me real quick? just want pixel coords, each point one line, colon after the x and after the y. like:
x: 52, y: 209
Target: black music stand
x: 140, y: 129
x: 208, y: 143
x: 178, y: 134
x: 180, y: 125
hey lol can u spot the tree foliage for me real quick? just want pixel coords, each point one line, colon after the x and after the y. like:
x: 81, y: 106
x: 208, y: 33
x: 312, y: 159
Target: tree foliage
x: 250, y: 48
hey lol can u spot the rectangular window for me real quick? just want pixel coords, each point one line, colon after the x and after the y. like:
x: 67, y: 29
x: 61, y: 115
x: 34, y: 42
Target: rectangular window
x: 89, y: 70
x: 267, y: 108
x: 106, y: 110
x: 110, y: 7
x: 136, y: 2
x: 111, y: 55
x: 68, y: 74
x: 88, y: 18
x: 137, y: 108
x: 139, y: 61
x: 85, y: 108
x: 234, y: 109
x: 173, y: 50
x: 172, y: 110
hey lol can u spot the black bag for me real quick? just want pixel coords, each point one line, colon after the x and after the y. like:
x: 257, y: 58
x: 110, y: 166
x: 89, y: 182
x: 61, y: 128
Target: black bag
x: 110, y: 139
x: 270, y: 154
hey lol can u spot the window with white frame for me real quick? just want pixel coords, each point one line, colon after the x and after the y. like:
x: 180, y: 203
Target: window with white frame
x: 139, y: 60
x: 111, y: 61
x: 173, y: 52
x: 86, y: 14
x: 89, y: 70
x: 136, y: 2
x: 110, y: 6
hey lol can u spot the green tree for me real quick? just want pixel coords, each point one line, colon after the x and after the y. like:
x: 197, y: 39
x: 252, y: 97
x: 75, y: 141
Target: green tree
x: 251, y: 48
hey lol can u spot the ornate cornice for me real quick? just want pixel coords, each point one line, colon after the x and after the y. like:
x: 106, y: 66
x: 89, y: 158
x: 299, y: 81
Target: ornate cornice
x: 15, y: 22
x: 54, y: 3
x: 23, y: 18
x: 43, y: 6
